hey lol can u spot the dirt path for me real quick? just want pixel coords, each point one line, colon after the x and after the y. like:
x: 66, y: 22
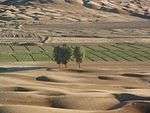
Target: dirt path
x: 97, y: 25
x: 92, y: 40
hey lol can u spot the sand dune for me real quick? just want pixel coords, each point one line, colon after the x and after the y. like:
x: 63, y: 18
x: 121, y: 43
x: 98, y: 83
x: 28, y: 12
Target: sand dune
x: 99, y: 89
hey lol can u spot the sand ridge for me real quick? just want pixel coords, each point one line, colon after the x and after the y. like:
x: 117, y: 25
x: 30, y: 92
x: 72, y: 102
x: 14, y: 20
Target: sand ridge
x: 98, y: 89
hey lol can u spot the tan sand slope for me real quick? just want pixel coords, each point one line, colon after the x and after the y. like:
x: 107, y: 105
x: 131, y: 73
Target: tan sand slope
x: 96, y: 88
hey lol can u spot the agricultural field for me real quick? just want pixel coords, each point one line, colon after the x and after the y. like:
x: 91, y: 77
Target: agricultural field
x: 95, y: 52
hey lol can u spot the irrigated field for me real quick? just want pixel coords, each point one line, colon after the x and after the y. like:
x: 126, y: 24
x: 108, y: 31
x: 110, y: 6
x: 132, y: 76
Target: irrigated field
x: 98, y: 52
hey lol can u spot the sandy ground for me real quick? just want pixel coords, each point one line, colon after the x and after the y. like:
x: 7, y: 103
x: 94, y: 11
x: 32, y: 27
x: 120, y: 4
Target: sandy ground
x: 95, y: 88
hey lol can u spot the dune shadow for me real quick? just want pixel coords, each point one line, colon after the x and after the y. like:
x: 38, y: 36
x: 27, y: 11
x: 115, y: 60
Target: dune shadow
x: 16, y: 89
x: 80, y: 70
x: 22, y: 89
x: 46, y: 79
x: 105, y: 78
x: 144, y: 107
x: 133, y: 75
x: 128, y: 87
x: 15, y: 69
x: 73, y: 70
x: 43, y: 78
x: 128, y: 97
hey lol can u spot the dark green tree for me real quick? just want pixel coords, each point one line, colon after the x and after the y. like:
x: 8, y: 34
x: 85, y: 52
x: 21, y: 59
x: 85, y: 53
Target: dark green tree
x: 78, y: 55
x: 57, y: 55
x: 62, y: 55
x: 66, y: 54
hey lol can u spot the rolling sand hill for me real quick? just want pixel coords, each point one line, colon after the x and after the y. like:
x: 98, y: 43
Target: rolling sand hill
x: 96, y: 88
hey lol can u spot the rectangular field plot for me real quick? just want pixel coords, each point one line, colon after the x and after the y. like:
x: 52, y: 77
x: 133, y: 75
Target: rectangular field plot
x: 34, y: 49
x: 124, y: 55
x: 142, y: 46
x: 96, y: 55
x: 6, y: 58
x: 40, y: 57
x: 5, y: 48
x: 22, y: 57
x: 130, y: 52
x: 47, y: 48
x: 19, y: 48
x: 119, y: 52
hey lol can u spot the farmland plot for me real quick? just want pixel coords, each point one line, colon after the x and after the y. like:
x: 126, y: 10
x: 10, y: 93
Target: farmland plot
x: 100, y: 52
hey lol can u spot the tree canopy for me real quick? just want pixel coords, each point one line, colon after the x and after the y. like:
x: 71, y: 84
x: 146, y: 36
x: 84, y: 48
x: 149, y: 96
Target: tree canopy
x: 78, y: 55
x: 62, y: 54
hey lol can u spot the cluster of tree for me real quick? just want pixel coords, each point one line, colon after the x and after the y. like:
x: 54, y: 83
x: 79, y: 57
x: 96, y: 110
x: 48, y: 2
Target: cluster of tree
x: 63, y: 54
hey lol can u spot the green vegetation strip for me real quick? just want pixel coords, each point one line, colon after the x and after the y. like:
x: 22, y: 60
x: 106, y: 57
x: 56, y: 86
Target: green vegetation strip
x: 99, y: 52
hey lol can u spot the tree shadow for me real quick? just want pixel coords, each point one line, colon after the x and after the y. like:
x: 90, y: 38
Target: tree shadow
x: 15, y: 69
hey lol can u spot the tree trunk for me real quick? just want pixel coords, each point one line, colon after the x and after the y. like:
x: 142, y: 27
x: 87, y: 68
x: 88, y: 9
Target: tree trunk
x: 65, y: 65
x: 79, y: 65
x: 59, y: 66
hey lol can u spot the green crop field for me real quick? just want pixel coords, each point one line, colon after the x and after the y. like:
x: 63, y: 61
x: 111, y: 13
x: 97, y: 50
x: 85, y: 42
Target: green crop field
x: 100, y: 52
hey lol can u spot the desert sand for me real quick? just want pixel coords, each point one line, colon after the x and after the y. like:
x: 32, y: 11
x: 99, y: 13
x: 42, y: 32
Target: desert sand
x: 95, y: 88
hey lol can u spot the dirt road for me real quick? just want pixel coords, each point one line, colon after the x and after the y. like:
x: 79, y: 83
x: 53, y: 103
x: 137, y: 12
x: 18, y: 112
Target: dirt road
x: 97, y: 25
